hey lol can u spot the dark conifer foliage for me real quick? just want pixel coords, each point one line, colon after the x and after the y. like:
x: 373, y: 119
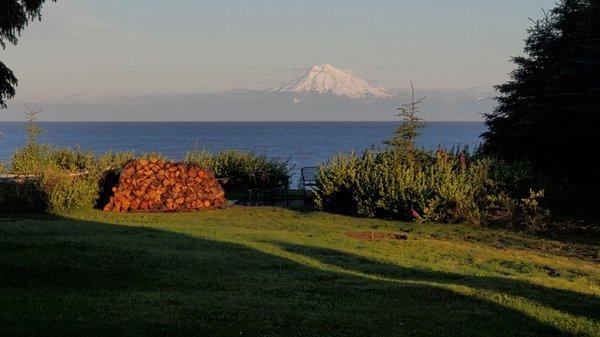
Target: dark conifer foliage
x: 548, y: 112
x: 15, y: 15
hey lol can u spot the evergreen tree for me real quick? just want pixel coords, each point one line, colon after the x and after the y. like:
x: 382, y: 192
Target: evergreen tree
x: 403, y: 140
x: 15, y: 15
x: 548, y: 112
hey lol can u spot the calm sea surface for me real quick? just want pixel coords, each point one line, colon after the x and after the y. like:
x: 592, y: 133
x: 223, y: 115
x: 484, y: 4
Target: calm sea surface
x: 304, y: 143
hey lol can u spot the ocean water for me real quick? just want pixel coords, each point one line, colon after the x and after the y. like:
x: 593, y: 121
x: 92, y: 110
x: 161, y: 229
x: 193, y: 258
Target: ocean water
x: 303, y: 143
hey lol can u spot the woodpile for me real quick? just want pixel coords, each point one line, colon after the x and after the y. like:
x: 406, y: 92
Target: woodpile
x: 154, y: 185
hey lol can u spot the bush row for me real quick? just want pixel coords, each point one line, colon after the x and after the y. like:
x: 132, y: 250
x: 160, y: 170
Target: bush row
x: 433, y: 186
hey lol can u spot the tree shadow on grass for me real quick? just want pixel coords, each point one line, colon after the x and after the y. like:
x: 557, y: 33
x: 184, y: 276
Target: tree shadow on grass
x: 571, y: 302
x: 64, y: 277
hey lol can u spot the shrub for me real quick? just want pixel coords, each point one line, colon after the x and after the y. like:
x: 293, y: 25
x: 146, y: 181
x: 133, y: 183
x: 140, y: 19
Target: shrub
x: 23, y: 197
x: 72, y: 160
x: 67, y: 179
x: 30, y: 159
x: 243, y: 169
x: 440, y: 187
x: 66, y: 191
x: 526, y: 213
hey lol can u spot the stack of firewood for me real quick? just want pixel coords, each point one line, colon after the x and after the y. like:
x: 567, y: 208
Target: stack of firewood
x: 154, y: 185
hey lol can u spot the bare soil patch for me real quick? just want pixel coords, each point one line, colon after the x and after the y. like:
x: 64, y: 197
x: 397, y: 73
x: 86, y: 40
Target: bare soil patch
x: 376, y: 236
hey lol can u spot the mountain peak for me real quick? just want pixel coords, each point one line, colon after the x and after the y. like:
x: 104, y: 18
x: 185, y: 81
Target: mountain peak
x: 323, y: 67
x: 327, y: 79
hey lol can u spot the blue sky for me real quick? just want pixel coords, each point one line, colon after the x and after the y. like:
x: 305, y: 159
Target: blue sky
x: 98, y: 48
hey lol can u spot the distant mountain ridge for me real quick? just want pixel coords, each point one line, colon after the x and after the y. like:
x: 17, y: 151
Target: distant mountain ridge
x: 261, y: 105
x: 326, y: 79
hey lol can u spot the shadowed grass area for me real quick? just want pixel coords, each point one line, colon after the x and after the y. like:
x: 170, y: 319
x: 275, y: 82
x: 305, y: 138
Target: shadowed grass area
x: 268, y: 271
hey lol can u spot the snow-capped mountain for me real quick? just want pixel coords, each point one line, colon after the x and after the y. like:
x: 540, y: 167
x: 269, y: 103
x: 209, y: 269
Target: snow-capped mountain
x: 326, y: 79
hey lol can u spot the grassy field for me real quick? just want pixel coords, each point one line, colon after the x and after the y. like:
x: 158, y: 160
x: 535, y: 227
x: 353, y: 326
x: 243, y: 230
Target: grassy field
x: 268, y: 271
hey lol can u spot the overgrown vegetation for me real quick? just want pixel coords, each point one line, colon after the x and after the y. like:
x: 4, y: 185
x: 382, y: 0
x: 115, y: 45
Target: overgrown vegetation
x: 451, y: 187
x: 243, y: 169
x: 68, y: 179
x: 25, y: 196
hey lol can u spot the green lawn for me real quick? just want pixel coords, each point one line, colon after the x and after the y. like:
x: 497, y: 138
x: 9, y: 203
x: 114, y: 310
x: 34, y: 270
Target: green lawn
x: 267, y: 271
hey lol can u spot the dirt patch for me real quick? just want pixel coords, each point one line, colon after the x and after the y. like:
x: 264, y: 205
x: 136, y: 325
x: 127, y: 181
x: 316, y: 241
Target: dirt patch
x: 377, y: 236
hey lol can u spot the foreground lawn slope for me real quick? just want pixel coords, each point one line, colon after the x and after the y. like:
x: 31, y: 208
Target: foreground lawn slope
x: 274, y: 272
